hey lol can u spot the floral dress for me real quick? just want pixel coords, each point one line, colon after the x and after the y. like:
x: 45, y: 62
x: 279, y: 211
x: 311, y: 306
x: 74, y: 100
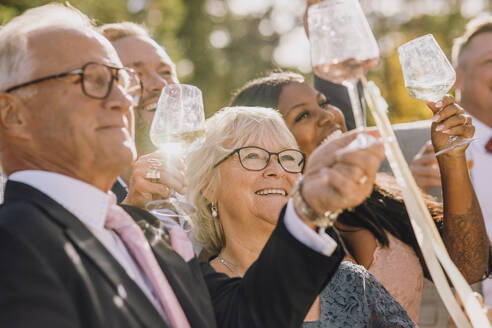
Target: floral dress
x: 354, y: 298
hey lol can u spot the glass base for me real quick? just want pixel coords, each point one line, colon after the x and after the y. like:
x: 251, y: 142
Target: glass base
x: 171, y: 207
x: 455, y: 142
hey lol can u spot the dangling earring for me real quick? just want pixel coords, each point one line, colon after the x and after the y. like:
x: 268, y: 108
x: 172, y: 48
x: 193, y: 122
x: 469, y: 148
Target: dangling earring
x: 213, y: 209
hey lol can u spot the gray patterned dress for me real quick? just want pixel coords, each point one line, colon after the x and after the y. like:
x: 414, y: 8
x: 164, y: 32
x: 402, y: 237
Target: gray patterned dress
x: 354, y: 298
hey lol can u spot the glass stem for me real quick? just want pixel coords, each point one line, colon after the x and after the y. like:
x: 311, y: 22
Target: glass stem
x: 358, y: 112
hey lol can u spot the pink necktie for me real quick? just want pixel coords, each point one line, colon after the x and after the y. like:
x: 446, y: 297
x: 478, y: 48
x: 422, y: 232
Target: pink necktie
x: 488, y: 146
x: 133, y: 238
x: 181, y: 243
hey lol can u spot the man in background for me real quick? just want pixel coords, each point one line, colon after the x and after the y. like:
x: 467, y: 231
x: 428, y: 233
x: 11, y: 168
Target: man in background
x: 155, y: 69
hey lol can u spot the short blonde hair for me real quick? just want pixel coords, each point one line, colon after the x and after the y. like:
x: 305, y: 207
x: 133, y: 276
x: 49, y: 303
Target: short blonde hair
x: 480, y: 24
x: 226, y: 130
x: 16, y: 65
x: 116, y: 31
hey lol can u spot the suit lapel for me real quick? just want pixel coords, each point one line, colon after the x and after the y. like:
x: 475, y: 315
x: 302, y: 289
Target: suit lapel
x: 88, y: 244
x: 186, y: 278
x: 188, y: 285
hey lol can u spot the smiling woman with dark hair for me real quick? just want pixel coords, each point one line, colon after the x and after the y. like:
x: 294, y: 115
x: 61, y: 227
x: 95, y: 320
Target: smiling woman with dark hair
x: 378, y: 233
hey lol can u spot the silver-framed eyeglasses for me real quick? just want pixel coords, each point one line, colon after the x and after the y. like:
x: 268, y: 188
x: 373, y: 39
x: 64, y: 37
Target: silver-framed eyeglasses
x: 97, y: 80
x: 254, y: 158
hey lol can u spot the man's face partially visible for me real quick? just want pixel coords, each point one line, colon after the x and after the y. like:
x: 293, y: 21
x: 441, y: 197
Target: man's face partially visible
x: 156, y: 70
x: 71, y: 132
x: 474, y: 77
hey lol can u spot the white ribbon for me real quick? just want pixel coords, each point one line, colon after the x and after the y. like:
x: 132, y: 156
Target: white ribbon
x: 435, y: 254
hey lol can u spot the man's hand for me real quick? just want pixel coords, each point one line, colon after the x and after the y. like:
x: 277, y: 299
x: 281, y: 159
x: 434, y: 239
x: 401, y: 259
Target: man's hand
x: 141, y: 190
x: 425, y: 168
x: 339, y: 176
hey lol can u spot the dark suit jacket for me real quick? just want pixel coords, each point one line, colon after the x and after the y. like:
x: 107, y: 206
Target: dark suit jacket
x: 55, y: 273
x: 339, y: 97
x: 120, y: 191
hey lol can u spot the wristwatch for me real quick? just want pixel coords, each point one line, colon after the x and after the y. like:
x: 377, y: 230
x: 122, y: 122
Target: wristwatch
x: 324, y: 221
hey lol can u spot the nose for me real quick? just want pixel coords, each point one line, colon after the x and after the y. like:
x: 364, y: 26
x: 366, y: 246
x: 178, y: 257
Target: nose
x: 325, y: 117
x: 154, y: 83
x: 118, y: 99
x: 273, y: 168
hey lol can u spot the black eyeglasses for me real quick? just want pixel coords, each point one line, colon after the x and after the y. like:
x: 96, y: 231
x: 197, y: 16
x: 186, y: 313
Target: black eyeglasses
x: 254, y: 158
x: 97, y: 80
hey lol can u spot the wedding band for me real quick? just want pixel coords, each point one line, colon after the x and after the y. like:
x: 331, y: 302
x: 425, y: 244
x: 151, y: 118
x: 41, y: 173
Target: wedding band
x: 362, y: 180
x: 153, y: 175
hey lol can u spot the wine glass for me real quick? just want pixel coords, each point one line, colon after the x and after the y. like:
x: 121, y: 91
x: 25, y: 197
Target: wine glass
x: 428, y: 75
x: 343, y: 48
x: 178, y: 126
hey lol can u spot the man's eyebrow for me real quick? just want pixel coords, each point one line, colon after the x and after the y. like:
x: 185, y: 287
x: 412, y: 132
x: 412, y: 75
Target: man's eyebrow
x: 137, y: 64
x: 164, y: 64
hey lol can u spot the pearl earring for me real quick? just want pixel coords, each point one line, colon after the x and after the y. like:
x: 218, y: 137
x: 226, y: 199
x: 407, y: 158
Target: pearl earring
x: 213, y: 209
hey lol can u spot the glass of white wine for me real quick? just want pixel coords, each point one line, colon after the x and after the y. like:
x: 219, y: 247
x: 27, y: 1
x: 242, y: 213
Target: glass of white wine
x: 428, y: 75
x: 343, y: 48
x: 177, y: 127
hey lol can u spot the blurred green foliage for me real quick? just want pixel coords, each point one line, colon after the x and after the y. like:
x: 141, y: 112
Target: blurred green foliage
x: 184, y: 28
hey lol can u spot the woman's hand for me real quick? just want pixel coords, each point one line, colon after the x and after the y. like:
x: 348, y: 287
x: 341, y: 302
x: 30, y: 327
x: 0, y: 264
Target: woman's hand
x: 425, y: 168
x: 339, y: 175
x: 449, y: 120
x: 142, y: 190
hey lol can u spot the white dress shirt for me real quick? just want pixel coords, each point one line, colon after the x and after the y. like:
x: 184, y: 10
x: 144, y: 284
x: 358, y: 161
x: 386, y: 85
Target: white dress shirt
x: 481, y: 175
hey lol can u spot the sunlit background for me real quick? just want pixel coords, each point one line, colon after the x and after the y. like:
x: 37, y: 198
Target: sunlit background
x: 218, y: 45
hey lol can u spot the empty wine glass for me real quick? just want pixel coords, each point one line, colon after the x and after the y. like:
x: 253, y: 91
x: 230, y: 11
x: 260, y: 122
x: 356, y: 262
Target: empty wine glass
x: 177, y: 127
x: 343, y: 47
x: 428, y: 75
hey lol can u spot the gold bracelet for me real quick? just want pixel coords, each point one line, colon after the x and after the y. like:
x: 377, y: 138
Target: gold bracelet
x: 324, y: 221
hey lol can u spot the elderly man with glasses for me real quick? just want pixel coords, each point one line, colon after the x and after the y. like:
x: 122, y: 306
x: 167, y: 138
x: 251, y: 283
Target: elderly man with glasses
x: 71, y: 257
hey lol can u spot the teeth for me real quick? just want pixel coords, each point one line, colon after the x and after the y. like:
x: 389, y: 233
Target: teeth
x: 272, y: 191
x: 150, y: 107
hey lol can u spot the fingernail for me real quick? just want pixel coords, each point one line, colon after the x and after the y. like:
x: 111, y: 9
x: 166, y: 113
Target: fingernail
x: 438, y: 104
x: 439, y: 127
x: 435, y: 118
x: 447, y: 131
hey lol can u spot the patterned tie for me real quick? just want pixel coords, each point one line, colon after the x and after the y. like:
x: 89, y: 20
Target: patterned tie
x: 488, y: 146
x: 134, y: 239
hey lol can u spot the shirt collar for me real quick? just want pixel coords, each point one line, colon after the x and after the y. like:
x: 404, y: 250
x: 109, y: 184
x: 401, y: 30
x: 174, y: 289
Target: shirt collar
x: 83, y: 200
x: 483, y: 132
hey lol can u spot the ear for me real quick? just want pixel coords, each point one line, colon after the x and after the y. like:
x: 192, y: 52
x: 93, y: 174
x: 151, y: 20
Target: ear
x: 209, y: 193
x: 13, y: 114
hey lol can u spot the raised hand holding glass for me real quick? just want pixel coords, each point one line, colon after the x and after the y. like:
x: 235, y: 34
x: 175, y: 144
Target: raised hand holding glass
x: 178, y: 125
x: 428, y: 75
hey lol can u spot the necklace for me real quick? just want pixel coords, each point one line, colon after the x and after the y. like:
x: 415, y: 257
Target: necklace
x: 227, y: 265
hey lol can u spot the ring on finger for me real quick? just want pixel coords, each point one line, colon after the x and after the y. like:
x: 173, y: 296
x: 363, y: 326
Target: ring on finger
x: 153, y: 175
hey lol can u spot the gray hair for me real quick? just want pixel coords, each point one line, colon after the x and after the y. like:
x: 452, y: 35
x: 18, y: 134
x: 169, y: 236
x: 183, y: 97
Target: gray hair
x: 116, y: 31
x: 16, y: 65
x: 226, y: 130
x: 478, y: 25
